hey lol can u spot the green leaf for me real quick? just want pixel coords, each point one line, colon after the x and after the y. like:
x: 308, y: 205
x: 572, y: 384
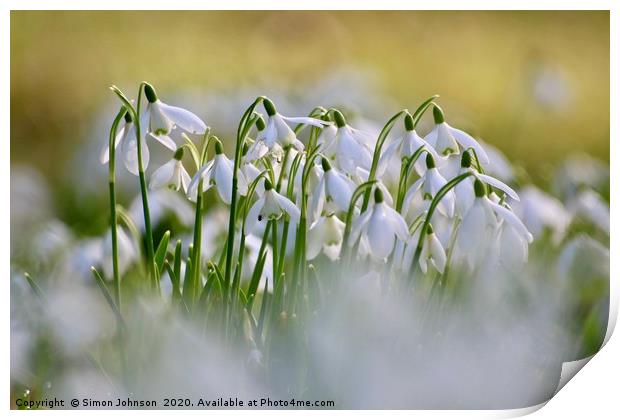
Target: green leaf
x: 253, y: 287
x: 188, y: 290
x: 162, y: 249
x: 34, y: 286
x: 107, y: 296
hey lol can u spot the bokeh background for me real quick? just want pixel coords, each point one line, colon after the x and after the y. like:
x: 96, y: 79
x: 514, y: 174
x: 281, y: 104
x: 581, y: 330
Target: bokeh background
x: 533, y: 84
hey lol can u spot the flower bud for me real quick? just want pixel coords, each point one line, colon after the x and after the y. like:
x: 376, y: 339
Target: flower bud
x: 479, y: 188
x: 408, y: 122
x: 465, y: 160
x: 325, y: 164
x: 378, y: 195
x: 260, y: 124
x: 339, y: 118
x: 270, y: 108
x: 178, y: 155
x: 438, y: 114
x: 219, y: 149
x: 149, y: 92
x: 430, y: 162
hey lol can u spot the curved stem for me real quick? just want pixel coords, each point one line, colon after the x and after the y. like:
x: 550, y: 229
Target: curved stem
x: 361, y: 189
x: 113, y: 218
x: 440, y: 194
x: 242, y: 131
x: 377, y: 153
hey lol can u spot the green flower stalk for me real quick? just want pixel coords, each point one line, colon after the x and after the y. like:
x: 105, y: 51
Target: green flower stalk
x: 112, y: 190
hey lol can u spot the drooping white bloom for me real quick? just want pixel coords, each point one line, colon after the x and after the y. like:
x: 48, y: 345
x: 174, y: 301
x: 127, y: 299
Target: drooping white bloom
x: 271, y: 206
x: 278, y: 131
x: 326, y: 140
x: 477, y: 228
x: 464, y: 190
x: 258, y: 148
x: 482, y: 222
x: 405, y: 146
x: 432, y: 251
x: 539, y: 211
x: 351, y: 147
x: 171, y: 174
x: 589, y: 205
x: 333, y: 193
x: 126, y: 139
x: 218, y: 172
x: 326, y: 235
x: 427, y: 188
x: 446, y: 139
x: 378, y: 227
x: 362, y: 175
x: 158, y: 119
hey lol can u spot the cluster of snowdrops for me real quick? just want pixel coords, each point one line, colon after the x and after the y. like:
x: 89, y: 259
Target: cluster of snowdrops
x: 310, y: 188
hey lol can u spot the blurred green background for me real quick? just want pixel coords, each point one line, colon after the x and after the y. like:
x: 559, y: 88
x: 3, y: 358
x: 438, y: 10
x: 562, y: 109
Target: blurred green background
x: 534, y: 84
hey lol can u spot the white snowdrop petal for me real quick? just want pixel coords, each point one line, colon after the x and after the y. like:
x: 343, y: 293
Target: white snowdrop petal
x: 499, y: 185
x: 203, y: 173
x: 288, y: 206
x: 185, y: 179
x: 398, y: 223
x: 438, y: 254
x: 252, y: 217
x: 185, y: 119
x: 339, y: 188
x: 163, y: 175
x: 431, y: 138
x: 473, y: 228
x: 222, y: 174
x: 317, y: 201
x: 358, y: 225
x: 379, y: 233
x: 467, y: 142
x: 165, y: 140
x: 129, y: 150
x: 159, y: 123
x: 315, y: 239
x: 307, y: 120
x: 511, y: 218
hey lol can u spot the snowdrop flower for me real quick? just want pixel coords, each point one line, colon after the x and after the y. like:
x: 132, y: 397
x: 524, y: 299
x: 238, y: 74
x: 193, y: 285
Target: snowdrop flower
x: 446, y: 139
x: 481, y: 223
x: 432, y: 251
x: 361, y: 176
x: 271, y: 206
x: 351, y: 147
x: 218, y: 172
x: 591, y: 206
x: 378, y: 227
x: 429, y: 185
x: 333, y: 192
x: 126, y: 139
x: 326, y: 235
x: 171, y: 174
x: 159, y: 119
x: 258, y: 149
x: 278, y: 131
x: 406, y: 146
x: 539, y: 210
x: 464, y: 190
x: 326, y: 138
x: 477, y: 227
